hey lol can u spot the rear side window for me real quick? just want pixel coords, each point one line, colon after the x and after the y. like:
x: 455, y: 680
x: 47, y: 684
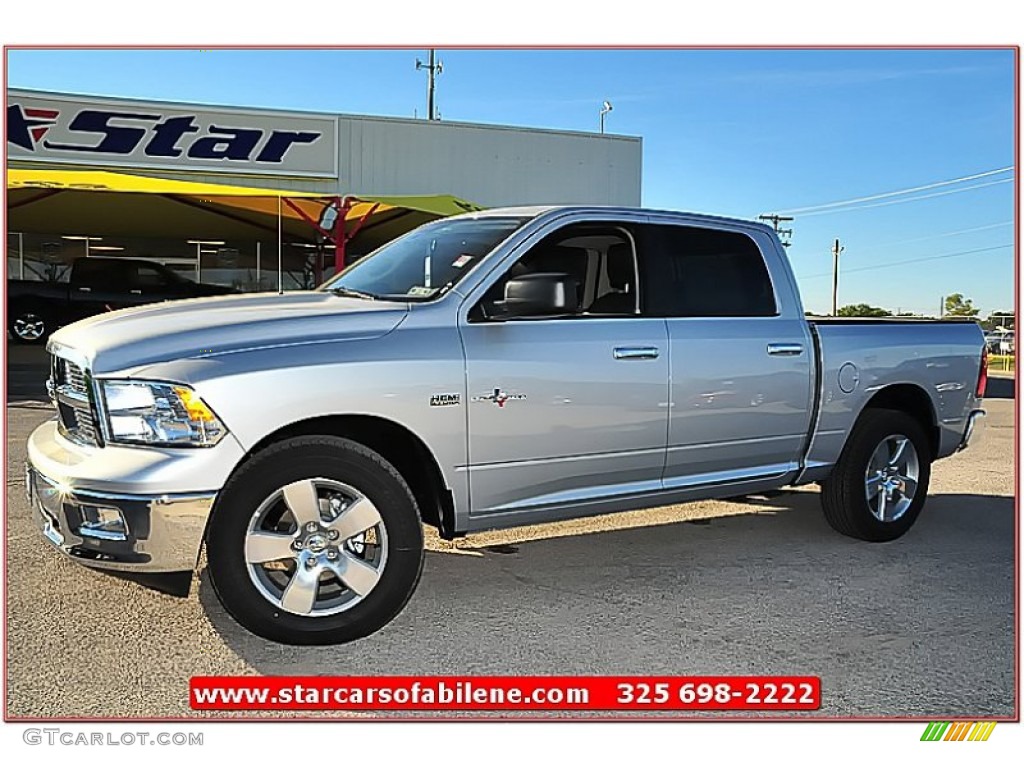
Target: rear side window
x: 698, y: 272
x: 150, y: 277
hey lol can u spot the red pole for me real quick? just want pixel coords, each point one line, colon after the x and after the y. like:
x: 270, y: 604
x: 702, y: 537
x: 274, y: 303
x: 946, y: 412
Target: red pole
x: 340, y: 236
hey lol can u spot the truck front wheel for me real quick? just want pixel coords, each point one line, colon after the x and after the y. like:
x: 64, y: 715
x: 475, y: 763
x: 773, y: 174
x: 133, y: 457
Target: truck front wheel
x: 314, y: 541
x: 880, y: 482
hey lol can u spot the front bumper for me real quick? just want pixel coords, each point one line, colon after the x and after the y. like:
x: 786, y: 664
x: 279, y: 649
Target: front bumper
x: 974, y: 429
x: 123, y: 508
x: 119, y: 531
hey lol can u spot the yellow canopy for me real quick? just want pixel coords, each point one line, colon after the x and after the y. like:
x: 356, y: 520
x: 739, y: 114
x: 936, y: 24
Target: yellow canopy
x: 46, y: 200
x: 108, y: 181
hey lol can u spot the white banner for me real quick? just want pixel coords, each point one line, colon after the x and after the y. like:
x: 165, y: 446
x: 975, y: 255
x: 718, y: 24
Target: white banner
x: 91, y: 131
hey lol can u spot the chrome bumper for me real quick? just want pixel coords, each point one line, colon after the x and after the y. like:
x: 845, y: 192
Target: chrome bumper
x: 122, y: 507
x: 973, y: 431
x: 120, y: 531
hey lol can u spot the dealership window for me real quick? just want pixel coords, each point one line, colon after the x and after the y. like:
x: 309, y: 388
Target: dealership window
x: 245, y: 265
x: 15, y: 256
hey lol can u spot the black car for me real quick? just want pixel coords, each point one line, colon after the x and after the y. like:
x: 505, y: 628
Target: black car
x: 35, y: 309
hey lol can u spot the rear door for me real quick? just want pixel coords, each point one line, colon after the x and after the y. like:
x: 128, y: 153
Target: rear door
x: 740, y: 353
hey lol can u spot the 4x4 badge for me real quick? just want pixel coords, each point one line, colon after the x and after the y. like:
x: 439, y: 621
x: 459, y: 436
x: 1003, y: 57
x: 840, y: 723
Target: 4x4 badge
x: 499, y: 397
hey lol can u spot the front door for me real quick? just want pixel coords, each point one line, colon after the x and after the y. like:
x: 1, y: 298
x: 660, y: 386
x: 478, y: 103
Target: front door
x: 99, y: 285
x: 570, y: 409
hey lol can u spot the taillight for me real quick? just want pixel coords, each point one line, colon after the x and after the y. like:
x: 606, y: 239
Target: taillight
x: 982, y: 374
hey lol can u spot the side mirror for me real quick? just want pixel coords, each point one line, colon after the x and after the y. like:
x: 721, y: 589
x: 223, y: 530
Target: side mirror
x: 543, y: 293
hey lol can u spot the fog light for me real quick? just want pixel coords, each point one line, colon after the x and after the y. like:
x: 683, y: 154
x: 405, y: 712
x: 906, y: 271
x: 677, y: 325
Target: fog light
x: 102, y: 523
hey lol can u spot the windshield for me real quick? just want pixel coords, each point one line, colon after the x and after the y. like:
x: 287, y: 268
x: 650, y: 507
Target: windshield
x: 427, y: 261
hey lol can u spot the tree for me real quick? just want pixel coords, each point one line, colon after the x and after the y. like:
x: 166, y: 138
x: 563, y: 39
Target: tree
x: 863, y: 310
x: 958, y: 306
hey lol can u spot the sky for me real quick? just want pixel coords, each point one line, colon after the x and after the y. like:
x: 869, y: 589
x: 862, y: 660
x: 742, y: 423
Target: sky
x: 729, y: 132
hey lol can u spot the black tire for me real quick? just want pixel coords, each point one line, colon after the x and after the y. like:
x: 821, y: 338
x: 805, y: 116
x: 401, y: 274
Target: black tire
x: 331, y: 459
x: 844, y: 496
x: 28, y: 327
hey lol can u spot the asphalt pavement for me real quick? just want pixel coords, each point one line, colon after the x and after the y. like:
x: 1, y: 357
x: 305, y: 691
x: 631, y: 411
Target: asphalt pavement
x: 923, y: 626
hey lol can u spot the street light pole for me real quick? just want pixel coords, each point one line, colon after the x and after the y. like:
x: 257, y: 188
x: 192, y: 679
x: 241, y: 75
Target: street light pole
x: 606, y: 107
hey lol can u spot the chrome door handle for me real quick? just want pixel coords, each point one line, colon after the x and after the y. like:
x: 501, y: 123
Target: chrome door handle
x: 137, y: 291
x: 636, y: 353
x: 85, y: 289
x: 785, y: 349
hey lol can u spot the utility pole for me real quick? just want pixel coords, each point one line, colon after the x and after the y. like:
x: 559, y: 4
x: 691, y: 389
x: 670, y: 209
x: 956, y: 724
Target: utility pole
x: 433, y: 70
x: 836, y: 250
x: 942, y: 307
x: 776, y: 220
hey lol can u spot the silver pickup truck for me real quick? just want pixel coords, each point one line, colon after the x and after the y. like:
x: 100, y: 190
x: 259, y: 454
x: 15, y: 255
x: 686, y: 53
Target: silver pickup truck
x: 493, y: 369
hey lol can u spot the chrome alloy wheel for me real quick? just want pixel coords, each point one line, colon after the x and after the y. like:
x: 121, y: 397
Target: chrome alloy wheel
x: 890, y: 481
x: 28, y: 327
x: 316, y: 547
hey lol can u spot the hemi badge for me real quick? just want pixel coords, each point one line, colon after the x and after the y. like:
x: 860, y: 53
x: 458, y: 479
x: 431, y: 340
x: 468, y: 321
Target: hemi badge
x: 441, y: 400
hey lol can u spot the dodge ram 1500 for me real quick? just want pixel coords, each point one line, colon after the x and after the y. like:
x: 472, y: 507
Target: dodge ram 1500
x: 487, y: 370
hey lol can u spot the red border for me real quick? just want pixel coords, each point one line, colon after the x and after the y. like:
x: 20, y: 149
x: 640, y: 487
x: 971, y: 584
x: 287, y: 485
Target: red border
x: 505, y: 716
x: 519, y: 47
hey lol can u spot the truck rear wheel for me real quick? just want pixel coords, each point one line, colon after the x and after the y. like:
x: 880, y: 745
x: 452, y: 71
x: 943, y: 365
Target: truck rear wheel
x: 314, y: 541
x: 880, y: 482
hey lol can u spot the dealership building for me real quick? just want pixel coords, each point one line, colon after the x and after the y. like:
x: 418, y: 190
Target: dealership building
x: 232, y: 195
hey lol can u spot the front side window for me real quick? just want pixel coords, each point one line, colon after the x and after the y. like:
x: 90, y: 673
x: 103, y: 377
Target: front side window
x: 598, y: 259
x: 699, y: 272
x: 99, y: 274
x: 427, y: 261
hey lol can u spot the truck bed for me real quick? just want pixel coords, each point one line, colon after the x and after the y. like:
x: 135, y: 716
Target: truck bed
x: 864, y: 355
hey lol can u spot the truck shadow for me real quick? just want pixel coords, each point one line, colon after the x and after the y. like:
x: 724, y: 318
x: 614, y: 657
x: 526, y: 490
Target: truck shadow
x: 776, y: 591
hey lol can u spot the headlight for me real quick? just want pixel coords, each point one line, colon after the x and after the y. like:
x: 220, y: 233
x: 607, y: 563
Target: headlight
x: 154, y: 413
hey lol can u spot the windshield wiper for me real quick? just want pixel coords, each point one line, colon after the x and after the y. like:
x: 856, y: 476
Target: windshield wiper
x: 342, y: 290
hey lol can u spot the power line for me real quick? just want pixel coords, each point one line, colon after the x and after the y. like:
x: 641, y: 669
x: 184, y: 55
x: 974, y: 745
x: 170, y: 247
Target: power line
x: 911, y: 261
x: 908, y: 199
x: 947, y: 234
x: 898, y: 192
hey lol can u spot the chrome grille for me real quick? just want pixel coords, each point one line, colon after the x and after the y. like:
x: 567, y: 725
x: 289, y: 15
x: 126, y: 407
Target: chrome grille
x: 74, y: 376
x: 73, y: 398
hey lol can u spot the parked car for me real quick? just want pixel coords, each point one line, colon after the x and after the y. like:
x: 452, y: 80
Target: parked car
x: 35, y: 308
x: 1000, y: 343
x: 493, y: 369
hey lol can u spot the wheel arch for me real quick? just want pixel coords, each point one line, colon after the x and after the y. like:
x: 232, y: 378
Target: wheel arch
x: 913, y: 400
x: 399, y: 445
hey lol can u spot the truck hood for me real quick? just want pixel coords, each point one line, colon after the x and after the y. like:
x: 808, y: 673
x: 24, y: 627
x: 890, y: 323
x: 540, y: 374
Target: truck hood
x: 214, y: 326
